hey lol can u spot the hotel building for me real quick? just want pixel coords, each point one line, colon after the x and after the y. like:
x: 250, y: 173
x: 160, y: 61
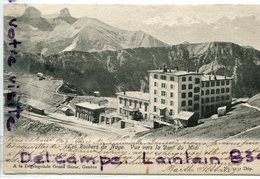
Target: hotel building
x: 173, y: 91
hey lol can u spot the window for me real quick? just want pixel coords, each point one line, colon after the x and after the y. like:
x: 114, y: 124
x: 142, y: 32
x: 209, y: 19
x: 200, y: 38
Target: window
x: 222, y: 90
x: 145, y: 107
x: 217, y: 83
x: 196, y: 107
x: 212, y: 91
x: 222, y: 83
x: 207, y: 84
x: 120, y: 100
x: 171, y: 103
x: 171, y: 86
x: 183, y: 78
x: 120, y: 110
x: 154, y: 92
x: 217, y: 91
x: 212, y: 99
x: 190, y: 102
x: 163, y: 85
x: 172, y: 78
x: 130, y: 102
x: 170, y: 112
x: 212, y: 83
x: 183, y: 103
x: 196, y: 90
x: 154, y: 109
x: 203, y: 83
x: 163, y: 77
x: 207, y: 92
x: 202, y: 92
x: 155, y: 76
x: 171, y: 94
x: 227, y: 97
x: 190, y: 94
x: 207, y: 100
x: 196, y: 97
x: 155, y: 84
x: 190, y: 86
x: 125, y: 102
x: 202, y: 100
x: 190, y: 78
x: 217, y: 98
x: 227, y: 82
x: 145, y: 116
x: 197, y: 80
x: 222, y: 98
x: 163, y: 93
x: 162, y: 101
x: 140, y: 105
x: 183, y: 87
x: 227, y: 90
x: 183, y: 95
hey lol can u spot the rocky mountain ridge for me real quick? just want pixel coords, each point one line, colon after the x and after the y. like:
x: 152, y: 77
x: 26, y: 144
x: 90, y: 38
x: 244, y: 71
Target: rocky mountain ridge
x: 67, y: 33
x: 126, y: 69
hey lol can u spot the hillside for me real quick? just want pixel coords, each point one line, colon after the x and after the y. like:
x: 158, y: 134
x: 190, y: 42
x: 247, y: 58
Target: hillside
x: 112, y: 71
x: 67, y: 33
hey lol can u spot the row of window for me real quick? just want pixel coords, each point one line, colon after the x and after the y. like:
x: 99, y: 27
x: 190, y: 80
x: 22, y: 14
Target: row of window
x: 215, y: 91
x: 163, y: 77
x: 196, y: 89
x: 135, y: 104
x: 215, y: 83
x: 163, y: 85
x: 214, y: 99
x: 163, y: 93
x: 163, y: 101
x: 195, y: 107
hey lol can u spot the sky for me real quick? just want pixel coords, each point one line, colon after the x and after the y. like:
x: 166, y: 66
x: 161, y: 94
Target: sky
x: 119, y: 13
x: 140, y: 17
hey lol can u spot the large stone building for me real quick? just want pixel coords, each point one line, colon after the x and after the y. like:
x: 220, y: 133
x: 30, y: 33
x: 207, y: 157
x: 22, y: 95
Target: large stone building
x: 173, y: 91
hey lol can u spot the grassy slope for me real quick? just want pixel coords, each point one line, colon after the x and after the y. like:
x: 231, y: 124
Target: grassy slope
x: 240, y: 119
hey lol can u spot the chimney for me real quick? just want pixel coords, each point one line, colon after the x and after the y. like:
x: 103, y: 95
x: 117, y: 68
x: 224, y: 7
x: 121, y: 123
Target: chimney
x: 197, y: 71
x: 124, y: 93
x: 170, y: 70
x: 215, y: 76
x: 209, y: 77
x: 188, y: 70
x: 164, y: 68
x: 225, y: 76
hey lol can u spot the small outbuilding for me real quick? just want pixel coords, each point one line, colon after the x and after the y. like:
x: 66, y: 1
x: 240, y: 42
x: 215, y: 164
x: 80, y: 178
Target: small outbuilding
x: 222, y: 111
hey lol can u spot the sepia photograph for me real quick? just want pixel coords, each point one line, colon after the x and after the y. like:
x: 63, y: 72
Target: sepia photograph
x: 90, y: 72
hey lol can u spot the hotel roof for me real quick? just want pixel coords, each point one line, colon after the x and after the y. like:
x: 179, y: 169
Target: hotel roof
x: 175, y: 72
x: 212, y: 77
x: 91, y: 106
x: 136, y: 95
x: 184, y: 115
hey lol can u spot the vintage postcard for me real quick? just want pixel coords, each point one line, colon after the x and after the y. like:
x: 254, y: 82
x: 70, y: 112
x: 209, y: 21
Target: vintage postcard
x: 131, y: 89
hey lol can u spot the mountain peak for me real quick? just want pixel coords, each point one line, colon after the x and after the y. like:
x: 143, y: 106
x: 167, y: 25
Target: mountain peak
x: 32, y: 12
x: 64, y: 12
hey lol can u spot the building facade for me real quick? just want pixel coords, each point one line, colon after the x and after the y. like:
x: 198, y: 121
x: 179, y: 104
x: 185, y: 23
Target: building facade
x: 132, y: 104
x: 173, y: 91
x: 89, y: 111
